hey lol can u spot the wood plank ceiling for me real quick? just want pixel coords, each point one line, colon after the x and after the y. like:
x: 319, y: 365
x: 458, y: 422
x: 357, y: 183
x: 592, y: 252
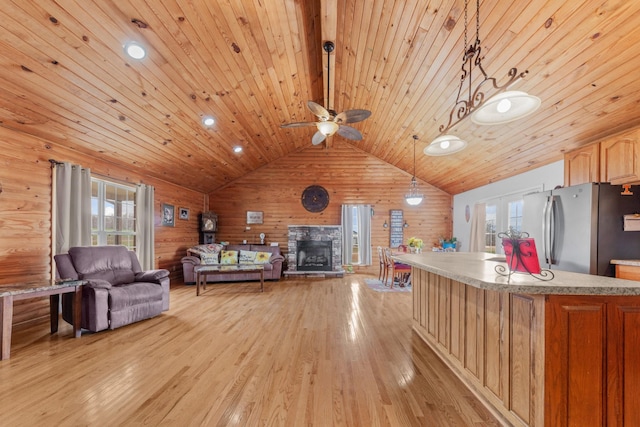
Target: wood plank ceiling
x: 253, y: 64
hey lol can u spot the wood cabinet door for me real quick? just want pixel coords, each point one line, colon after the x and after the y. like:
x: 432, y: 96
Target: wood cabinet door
x: 582, y: 165
x: 575, y: 361
x: 619, y: 159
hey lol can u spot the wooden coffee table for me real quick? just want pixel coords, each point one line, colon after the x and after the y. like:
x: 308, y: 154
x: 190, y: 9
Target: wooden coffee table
x: 202, y: 270
x: 11, y: 293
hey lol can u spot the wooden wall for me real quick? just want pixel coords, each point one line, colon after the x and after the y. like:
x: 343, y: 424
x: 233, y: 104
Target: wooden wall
x: 25, y: 212
x: 351, y: 176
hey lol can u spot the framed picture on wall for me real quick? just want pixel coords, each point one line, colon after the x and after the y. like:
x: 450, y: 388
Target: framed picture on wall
x: 254, y: 217
x: 184, y: 213
x: 168, y: 215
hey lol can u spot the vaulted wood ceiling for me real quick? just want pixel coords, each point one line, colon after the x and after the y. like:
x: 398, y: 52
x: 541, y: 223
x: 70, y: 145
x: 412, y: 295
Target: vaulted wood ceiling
x: 253, y: 64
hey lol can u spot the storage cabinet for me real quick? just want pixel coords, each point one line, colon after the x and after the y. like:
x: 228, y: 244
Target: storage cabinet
x: 582, y: 165
x: 619, y: 159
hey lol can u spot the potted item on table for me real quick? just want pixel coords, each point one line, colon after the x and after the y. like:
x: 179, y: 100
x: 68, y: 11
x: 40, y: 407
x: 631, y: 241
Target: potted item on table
x: 415, y: 244
x: 449, y: 243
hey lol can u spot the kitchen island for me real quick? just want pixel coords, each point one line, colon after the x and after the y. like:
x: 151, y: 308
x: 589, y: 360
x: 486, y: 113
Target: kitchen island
x: 553, y: 353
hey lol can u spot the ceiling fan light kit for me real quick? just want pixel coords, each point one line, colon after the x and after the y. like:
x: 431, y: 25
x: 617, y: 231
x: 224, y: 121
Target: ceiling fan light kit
x: 329, y: 122
x: 503, y: 107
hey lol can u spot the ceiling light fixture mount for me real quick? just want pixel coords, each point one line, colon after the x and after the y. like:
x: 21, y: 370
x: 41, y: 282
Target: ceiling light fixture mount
x: 519, y: 103
x: 413, y: 197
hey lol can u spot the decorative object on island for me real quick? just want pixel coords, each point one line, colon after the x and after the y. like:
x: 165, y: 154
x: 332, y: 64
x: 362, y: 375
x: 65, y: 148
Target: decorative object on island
x: 415, y: 244
x: 413, y: 197
x: 183, y: 213
x: 254, y: 217
x: 522, y: 257
x: 315, y: 198
x: 505, y: 106
x: 208, y: 227
x: 168, y: 215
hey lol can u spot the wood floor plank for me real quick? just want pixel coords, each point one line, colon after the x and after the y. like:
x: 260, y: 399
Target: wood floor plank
x: 321, y: 352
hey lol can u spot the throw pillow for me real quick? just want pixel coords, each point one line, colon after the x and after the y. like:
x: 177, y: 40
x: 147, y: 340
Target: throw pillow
x: 263, y: 257
x: 209, y: 258
x: 229, y: 257
x: 247, y: 257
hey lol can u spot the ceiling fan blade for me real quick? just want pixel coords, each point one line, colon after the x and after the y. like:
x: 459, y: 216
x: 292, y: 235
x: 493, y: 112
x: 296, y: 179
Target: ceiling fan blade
x: 318, y: 137
x: 349, y: 132
x: 352, y: 116
x: 297, y: 124
x: 319, y: 111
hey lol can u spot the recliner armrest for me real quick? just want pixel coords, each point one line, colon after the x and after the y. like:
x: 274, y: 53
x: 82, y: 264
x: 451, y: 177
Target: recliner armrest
x: 98, y: 284
x: 153, y: 276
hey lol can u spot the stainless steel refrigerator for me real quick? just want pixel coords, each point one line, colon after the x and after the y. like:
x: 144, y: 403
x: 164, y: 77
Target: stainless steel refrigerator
x: 580, y: 228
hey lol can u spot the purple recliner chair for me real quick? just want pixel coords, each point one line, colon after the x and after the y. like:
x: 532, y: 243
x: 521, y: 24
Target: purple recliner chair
x: 117, y: 292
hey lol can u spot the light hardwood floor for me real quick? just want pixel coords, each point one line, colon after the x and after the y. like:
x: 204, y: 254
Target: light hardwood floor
x: 306, y: 352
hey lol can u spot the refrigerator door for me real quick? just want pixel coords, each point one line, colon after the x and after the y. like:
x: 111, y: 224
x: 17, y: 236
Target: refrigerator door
x: 535, y: 208
x: 575, y: 224
x: 613, y: 241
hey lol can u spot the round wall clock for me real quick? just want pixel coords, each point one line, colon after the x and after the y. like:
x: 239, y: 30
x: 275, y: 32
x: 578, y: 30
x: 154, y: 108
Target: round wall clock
x: 315, y: 198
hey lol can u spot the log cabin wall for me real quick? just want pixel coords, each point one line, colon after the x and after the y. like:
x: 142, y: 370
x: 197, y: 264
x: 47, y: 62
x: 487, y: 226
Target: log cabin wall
x: 351, y: 176
x: 25, y: 213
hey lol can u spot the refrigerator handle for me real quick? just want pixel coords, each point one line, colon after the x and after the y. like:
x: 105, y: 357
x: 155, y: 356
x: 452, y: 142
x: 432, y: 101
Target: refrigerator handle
x: 546, y: 230
x: 552, y: 230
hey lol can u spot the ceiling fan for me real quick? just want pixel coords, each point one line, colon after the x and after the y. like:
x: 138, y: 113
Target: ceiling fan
x: 329, y: 121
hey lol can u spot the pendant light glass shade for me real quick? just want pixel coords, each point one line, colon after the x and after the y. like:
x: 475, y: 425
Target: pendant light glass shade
x: 505, y: 107
x: 444, y: 145
x: 413, y: 197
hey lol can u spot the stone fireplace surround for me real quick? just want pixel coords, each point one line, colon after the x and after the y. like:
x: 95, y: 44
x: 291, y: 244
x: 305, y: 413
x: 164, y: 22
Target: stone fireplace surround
x: 331, y: 233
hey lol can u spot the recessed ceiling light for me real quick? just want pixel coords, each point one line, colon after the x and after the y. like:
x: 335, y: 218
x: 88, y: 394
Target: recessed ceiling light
x: 237, y: 149
x: 135, y: 50
x: 208, y: 121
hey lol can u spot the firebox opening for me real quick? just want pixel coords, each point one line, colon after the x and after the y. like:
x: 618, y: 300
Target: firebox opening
x: 314, y: 255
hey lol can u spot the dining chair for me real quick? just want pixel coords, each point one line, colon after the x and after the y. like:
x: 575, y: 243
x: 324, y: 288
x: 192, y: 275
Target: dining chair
x: 396, y: 270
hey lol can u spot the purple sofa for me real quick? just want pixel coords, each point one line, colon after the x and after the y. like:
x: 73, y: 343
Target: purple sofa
x: 272, y: 270
x: 117, y: 292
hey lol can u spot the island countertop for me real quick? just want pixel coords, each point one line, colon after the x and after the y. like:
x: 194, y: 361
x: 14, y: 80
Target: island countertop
x: 478, y: 269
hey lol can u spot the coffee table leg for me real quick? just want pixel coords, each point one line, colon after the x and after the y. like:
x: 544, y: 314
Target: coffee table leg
x: 6, y: 317
x: 262, y: 280
x: 54, y: 302
x: 77, y: 312
x: 197, y: 283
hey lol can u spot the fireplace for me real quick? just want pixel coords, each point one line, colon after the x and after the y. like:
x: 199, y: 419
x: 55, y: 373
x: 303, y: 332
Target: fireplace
x: 314, y: 255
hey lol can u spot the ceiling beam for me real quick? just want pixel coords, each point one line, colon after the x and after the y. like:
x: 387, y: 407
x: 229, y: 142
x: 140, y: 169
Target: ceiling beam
x: 329, y: 28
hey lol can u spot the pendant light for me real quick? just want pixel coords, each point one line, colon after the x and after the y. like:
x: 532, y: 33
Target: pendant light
x: 413, y: 197
x: 502, y: 107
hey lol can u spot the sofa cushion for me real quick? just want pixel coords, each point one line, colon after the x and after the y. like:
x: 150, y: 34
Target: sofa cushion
x: 262, y: 257
x: 110, y: 263
x: 213, y: 248
x: 247, y: 257
x: 228, y: 257
x: 123, y: 296
x: 209, y: 258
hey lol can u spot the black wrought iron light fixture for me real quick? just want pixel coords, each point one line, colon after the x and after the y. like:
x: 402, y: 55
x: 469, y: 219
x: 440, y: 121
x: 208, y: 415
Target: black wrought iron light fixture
x: 414, y: 197
x: 503, y: 107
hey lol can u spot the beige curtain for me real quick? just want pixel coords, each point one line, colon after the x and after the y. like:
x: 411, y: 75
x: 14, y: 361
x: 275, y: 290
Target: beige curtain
x: 145, y: 229
x: 478, y: 223
x: 362, y: 234
x: 72, y: 206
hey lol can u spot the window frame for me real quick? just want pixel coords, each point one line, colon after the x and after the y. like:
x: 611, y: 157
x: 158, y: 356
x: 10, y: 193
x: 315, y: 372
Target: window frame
x: 100, y: 236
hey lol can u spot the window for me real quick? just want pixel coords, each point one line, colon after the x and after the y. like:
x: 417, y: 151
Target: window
x: 113, y: 219
x: 502, y: 214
